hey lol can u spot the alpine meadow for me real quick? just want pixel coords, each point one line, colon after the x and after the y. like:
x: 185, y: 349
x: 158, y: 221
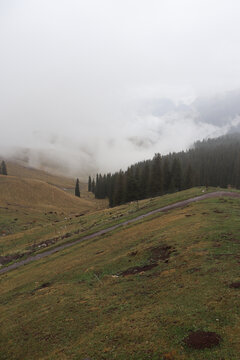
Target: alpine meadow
x: 119, y: 180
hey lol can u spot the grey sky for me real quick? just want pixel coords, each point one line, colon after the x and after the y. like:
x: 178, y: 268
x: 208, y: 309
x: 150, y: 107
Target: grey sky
x: 83, y: 79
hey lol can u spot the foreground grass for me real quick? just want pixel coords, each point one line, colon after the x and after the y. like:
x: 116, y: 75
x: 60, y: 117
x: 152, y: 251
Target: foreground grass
x: 86, y: 309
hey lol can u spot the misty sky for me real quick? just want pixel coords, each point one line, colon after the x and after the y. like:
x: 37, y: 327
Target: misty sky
x: 106, y: 83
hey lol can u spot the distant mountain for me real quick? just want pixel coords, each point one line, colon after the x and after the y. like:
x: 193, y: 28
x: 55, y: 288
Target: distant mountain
x: 220, y: 109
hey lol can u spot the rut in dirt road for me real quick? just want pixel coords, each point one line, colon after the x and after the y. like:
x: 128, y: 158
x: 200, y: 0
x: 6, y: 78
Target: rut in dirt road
x: 101, y: 232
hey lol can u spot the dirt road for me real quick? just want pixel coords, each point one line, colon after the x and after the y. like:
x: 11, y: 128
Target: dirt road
x: 101, y: 232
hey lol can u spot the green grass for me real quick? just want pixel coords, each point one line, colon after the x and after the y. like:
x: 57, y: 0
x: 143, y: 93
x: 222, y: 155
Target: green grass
x: 32, y: 228
x: 89, y: 312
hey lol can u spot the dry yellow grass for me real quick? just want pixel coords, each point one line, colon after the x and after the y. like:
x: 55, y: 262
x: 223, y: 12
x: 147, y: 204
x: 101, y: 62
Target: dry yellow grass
x: 64, y: 183
x: 38, y: 195
x: 15, y: 169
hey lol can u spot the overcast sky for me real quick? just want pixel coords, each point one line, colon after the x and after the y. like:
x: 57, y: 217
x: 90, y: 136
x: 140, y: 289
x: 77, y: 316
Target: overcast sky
x: 104, y: 82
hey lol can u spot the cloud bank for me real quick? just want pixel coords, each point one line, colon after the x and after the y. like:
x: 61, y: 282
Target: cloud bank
x: 95, y: 86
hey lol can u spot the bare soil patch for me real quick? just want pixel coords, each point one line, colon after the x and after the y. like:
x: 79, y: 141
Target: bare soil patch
x: 235, y: 285
x: 157, y: 253
x: 133, y: 253
x: 202, y: 339
x: 13, y: 257
x: 161, y: 252
x: 42, y: 286
x: 193, y: 270
x: 51, y: 241
x: 218, y: 211
x: 138, y: 269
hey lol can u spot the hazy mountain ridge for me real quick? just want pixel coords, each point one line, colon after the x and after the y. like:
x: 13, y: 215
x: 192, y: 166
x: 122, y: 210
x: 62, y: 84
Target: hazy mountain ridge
x: 160, y: 126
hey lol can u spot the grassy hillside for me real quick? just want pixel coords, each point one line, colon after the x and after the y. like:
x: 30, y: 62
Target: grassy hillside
x: 135, y: 293
x: 38, y: 195
x: 64, y: 183
x: 32, y: 211
x: 18, y: 170
x: 35, y: 231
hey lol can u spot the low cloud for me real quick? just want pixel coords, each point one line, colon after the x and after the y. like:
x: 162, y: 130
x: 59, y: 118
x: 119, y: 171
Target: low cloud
x: 89, y: 86
x: 126, y: 142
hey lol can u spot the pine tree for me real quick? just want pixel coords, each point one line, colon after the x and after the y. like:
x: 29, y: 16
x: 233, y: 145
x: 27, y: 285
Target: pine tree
x: 156, y: 180
x: 3, y: 168
x: 236, y: 182
x: 89, y: 184
x: 132, y: 188
x: 166, y: 176
x: 188, y: 183
x: 77, y: 190
x: 119, y: 189
x: 96, y: 192
x: 93, y: 186
x: 177, y: 174
x: 144, y: 180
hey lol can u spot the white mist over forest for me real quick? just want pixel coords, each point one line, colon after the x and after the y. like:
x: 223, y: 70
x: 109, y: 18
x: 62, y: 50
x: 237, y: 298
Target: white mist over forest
x: 99, y: 85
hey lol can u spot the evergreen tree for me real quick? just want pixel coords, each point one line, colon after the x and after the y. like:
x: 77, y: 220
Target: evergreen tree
x: 166, y: 176
x: 119, y: 189
x: 96, y: 192
x: 156, y: 180
x: 93, y: 186
x: 177, y: 174
x: 77, y: 190
x: 3, y: 168
x: 89, y: 184
x: 236, y: 181
x: 188, y: 183
x: 132, y: 186
x: 144, y: 186
x: 112, y: 190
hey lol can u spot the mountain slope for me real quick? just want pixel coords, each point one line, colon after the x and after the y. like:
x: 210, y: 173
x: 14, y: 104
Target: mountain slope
x: 15, y: 169
x: 135, y: 294
x: 38, y: 195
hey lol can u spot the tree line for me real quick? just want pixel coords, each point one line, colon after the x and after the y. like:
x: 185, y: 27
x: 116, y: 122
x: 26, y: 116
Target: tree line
x: 212, y: 162
x: 3, y: 168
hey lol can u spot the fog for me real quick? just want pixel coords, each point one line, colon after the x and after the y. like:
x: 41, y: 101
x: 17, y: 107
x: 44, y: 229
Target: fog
x: 89, y: 86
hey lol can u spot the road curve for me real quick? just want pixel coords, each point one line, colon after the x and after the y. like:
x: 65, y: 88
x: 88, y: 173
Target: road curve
x: 104, y: 231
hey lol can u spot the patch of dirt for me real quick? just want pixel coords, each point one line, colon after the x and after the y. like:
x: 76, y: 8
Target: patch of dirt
x: 161, y: 252
x: 42, y: 286
x: 193, y: 214
x: 137, y: 269
x: 78, y: 215
x: 133, y: 253
x: 235, y: 285
x: 202, y: 339
x: 226, y: 235
x: 9, y: 258
x: 229, y: 237
x: 157, y: 253
x: 218, y: 211
x: 51, y: 241
x: 172, y: 355
x: 193, y: 270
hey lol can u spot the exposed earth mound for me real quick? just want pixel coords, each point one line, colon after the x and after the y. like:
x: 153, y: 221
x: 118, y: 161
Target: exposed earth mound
x: 202, y: 339
x: 235, y: 285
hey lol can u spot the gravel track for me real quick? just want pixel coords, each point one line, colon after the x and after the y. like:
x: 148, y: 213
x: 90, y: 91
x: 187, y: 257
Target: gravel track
x: 104, y: 231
